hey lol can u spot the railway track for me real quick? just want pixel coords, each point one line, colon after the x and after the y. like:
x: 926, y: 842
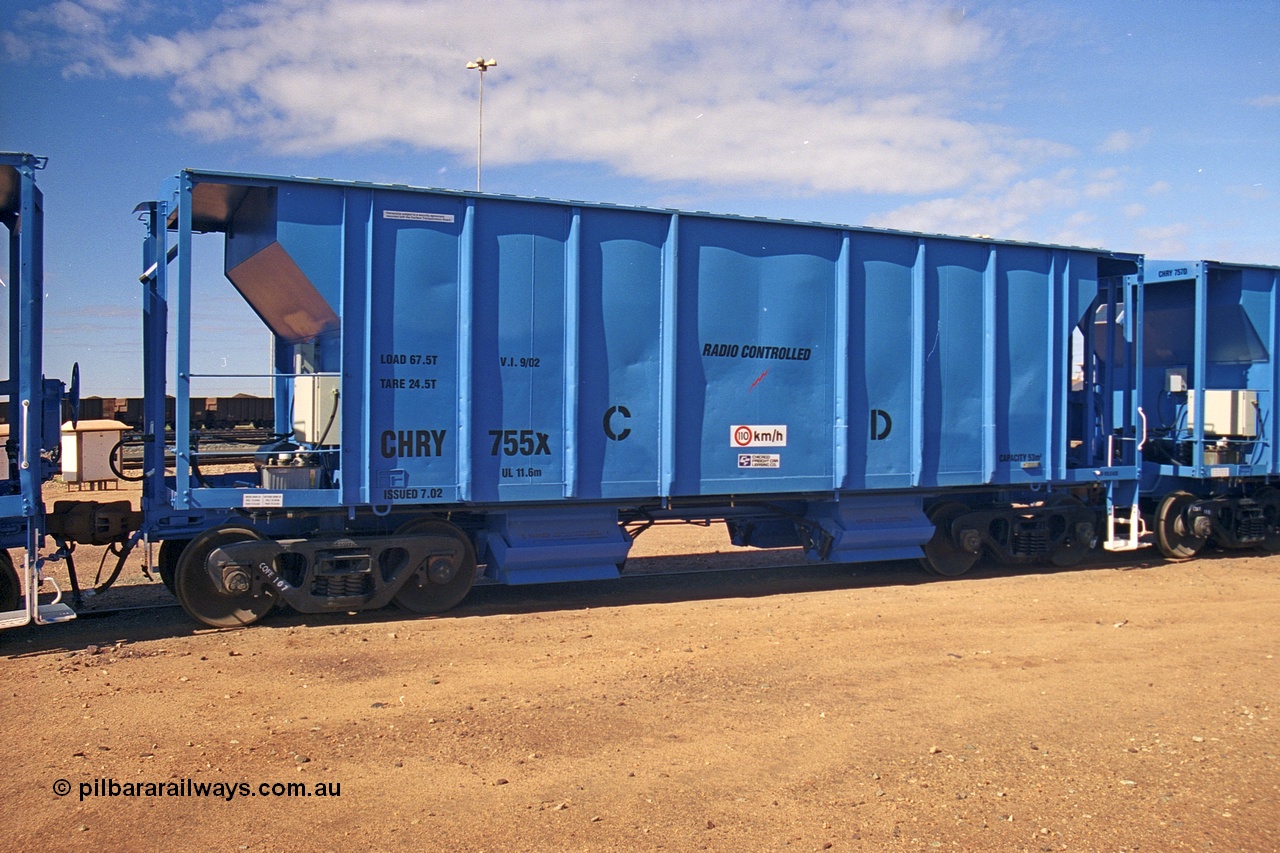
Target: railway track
x: 671, y: 578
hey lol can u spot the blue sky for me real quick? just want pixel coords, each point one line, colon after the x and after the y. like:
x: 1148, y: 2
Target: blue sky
x: 1149, y: 127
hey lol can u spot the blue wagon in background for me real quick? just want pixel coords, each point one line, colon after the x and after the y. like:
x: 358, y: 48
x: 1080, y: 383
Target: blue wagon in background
x: 32, y: 435
x: 1210, y: 336
x: 465, y: 379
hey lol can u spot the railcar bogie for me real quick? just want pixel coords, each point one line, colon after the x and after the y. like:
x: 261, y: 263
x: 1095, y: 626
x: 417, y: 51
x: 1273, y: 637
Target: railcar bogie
x: 1062, y: 530
x: 1185, y: 523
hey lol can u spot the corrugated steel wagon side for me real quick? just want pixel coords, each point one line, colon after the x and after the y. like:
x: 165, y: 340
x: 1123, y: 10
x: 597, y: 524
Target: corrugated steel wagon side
x: 475, y: 376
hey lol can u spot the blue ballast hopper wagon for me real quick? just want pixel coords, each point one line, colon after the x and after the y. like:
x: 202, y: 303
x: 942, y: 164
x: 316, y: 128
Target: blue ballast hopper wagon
x: 1209, y: 379
x: 465, y: 378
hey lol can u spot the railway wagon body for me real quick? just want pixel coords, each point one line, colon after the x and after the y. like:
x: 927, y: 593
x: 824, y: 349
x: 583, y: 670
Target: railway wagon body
x: 517, y: 378
x: 131, y: 410
x: 239, y: 410
x: 206, y: 412
x: 1209, y: 382
x: 33, y: 402
x: 89, y: 409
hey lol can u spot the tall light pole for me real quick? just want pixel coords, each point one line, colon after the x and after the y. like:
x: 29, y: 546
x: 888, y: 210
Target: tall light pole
x: 482, y: 65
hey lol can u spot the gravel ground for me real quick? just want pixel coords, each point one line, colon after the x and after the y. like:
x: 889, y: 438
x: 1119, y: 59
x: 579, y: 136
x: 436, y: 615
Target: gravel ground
x: 819, y: 708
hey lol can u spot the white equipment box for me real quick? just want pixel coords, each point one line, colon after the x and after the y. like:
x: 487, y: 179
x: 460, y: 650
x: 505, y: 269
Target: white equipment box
x: 1226, y: 412
x: 86, y: 451
x: 317, y: 408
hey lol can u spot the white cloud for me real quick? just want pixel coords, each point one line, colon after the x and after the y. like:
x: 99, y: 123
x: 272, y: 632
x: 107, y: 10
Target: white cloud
x: 1165, y: 241
x: 1123, y: 140
x: 1106, y: 183
x: 1073, y: 207
x: 75, y: 18
x: 1252, y: 192
x: 1264, y: 101
x: 1011, y: 213
x: 887, y: 96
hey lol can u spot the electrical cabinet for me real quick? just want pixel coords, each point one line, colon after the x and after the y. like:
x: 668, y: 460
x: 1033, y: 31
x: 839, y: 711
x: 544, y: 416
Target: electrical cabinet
x: 1226, y: 412
x: 317, y: 414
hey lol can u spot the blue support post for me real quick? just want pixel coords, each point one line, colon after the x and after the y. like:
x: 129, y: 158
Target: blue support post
x: 155, y: 320
x: 1198, y: 468
x: 30, y: 363
x: 1134, y: 296
x: 182, y: 385
x: 32, y: 399
x: 356, y: 346
x: 1058, y: 368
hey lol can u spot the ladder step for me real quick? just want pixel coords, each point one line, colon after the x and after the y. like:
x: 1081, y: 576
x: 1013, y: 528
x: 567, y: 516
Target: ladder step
x: 1125, y: 530
x: 14, y: 619
x: 52, y: 613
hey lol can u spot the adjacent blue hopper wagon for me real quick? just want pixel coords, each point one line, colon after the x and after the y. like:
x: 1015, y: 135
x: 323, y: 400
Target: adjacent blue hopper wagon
x: 1209, y: 381
x: 34, y: 403
x: 466, y: 379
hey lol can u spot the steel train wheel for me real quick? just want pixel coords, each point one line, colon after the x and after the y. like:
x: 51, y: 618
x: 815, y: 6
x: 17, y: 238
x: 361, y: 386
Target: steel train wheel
x: 1175, y: 540
x: 167, y: 560
x: 10, y: 586
x: 441, y: 581
x: 942, y: 555
x: 1070, y: 551
x: 198, y: 595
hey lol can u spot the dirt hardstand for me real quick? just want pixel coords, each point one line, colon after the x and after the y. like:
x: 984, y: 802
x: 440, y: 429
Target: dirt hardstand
x: 822, y: 708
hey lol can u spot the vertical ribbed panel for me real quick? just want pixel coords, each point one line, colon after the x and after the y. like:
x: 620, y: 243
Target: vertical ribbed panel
x: 989, y: 367
x: 840, y: 366
x: 670, y: 270
x: 917, y: 362
x: 572, y: 334
x: 466, y: 290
